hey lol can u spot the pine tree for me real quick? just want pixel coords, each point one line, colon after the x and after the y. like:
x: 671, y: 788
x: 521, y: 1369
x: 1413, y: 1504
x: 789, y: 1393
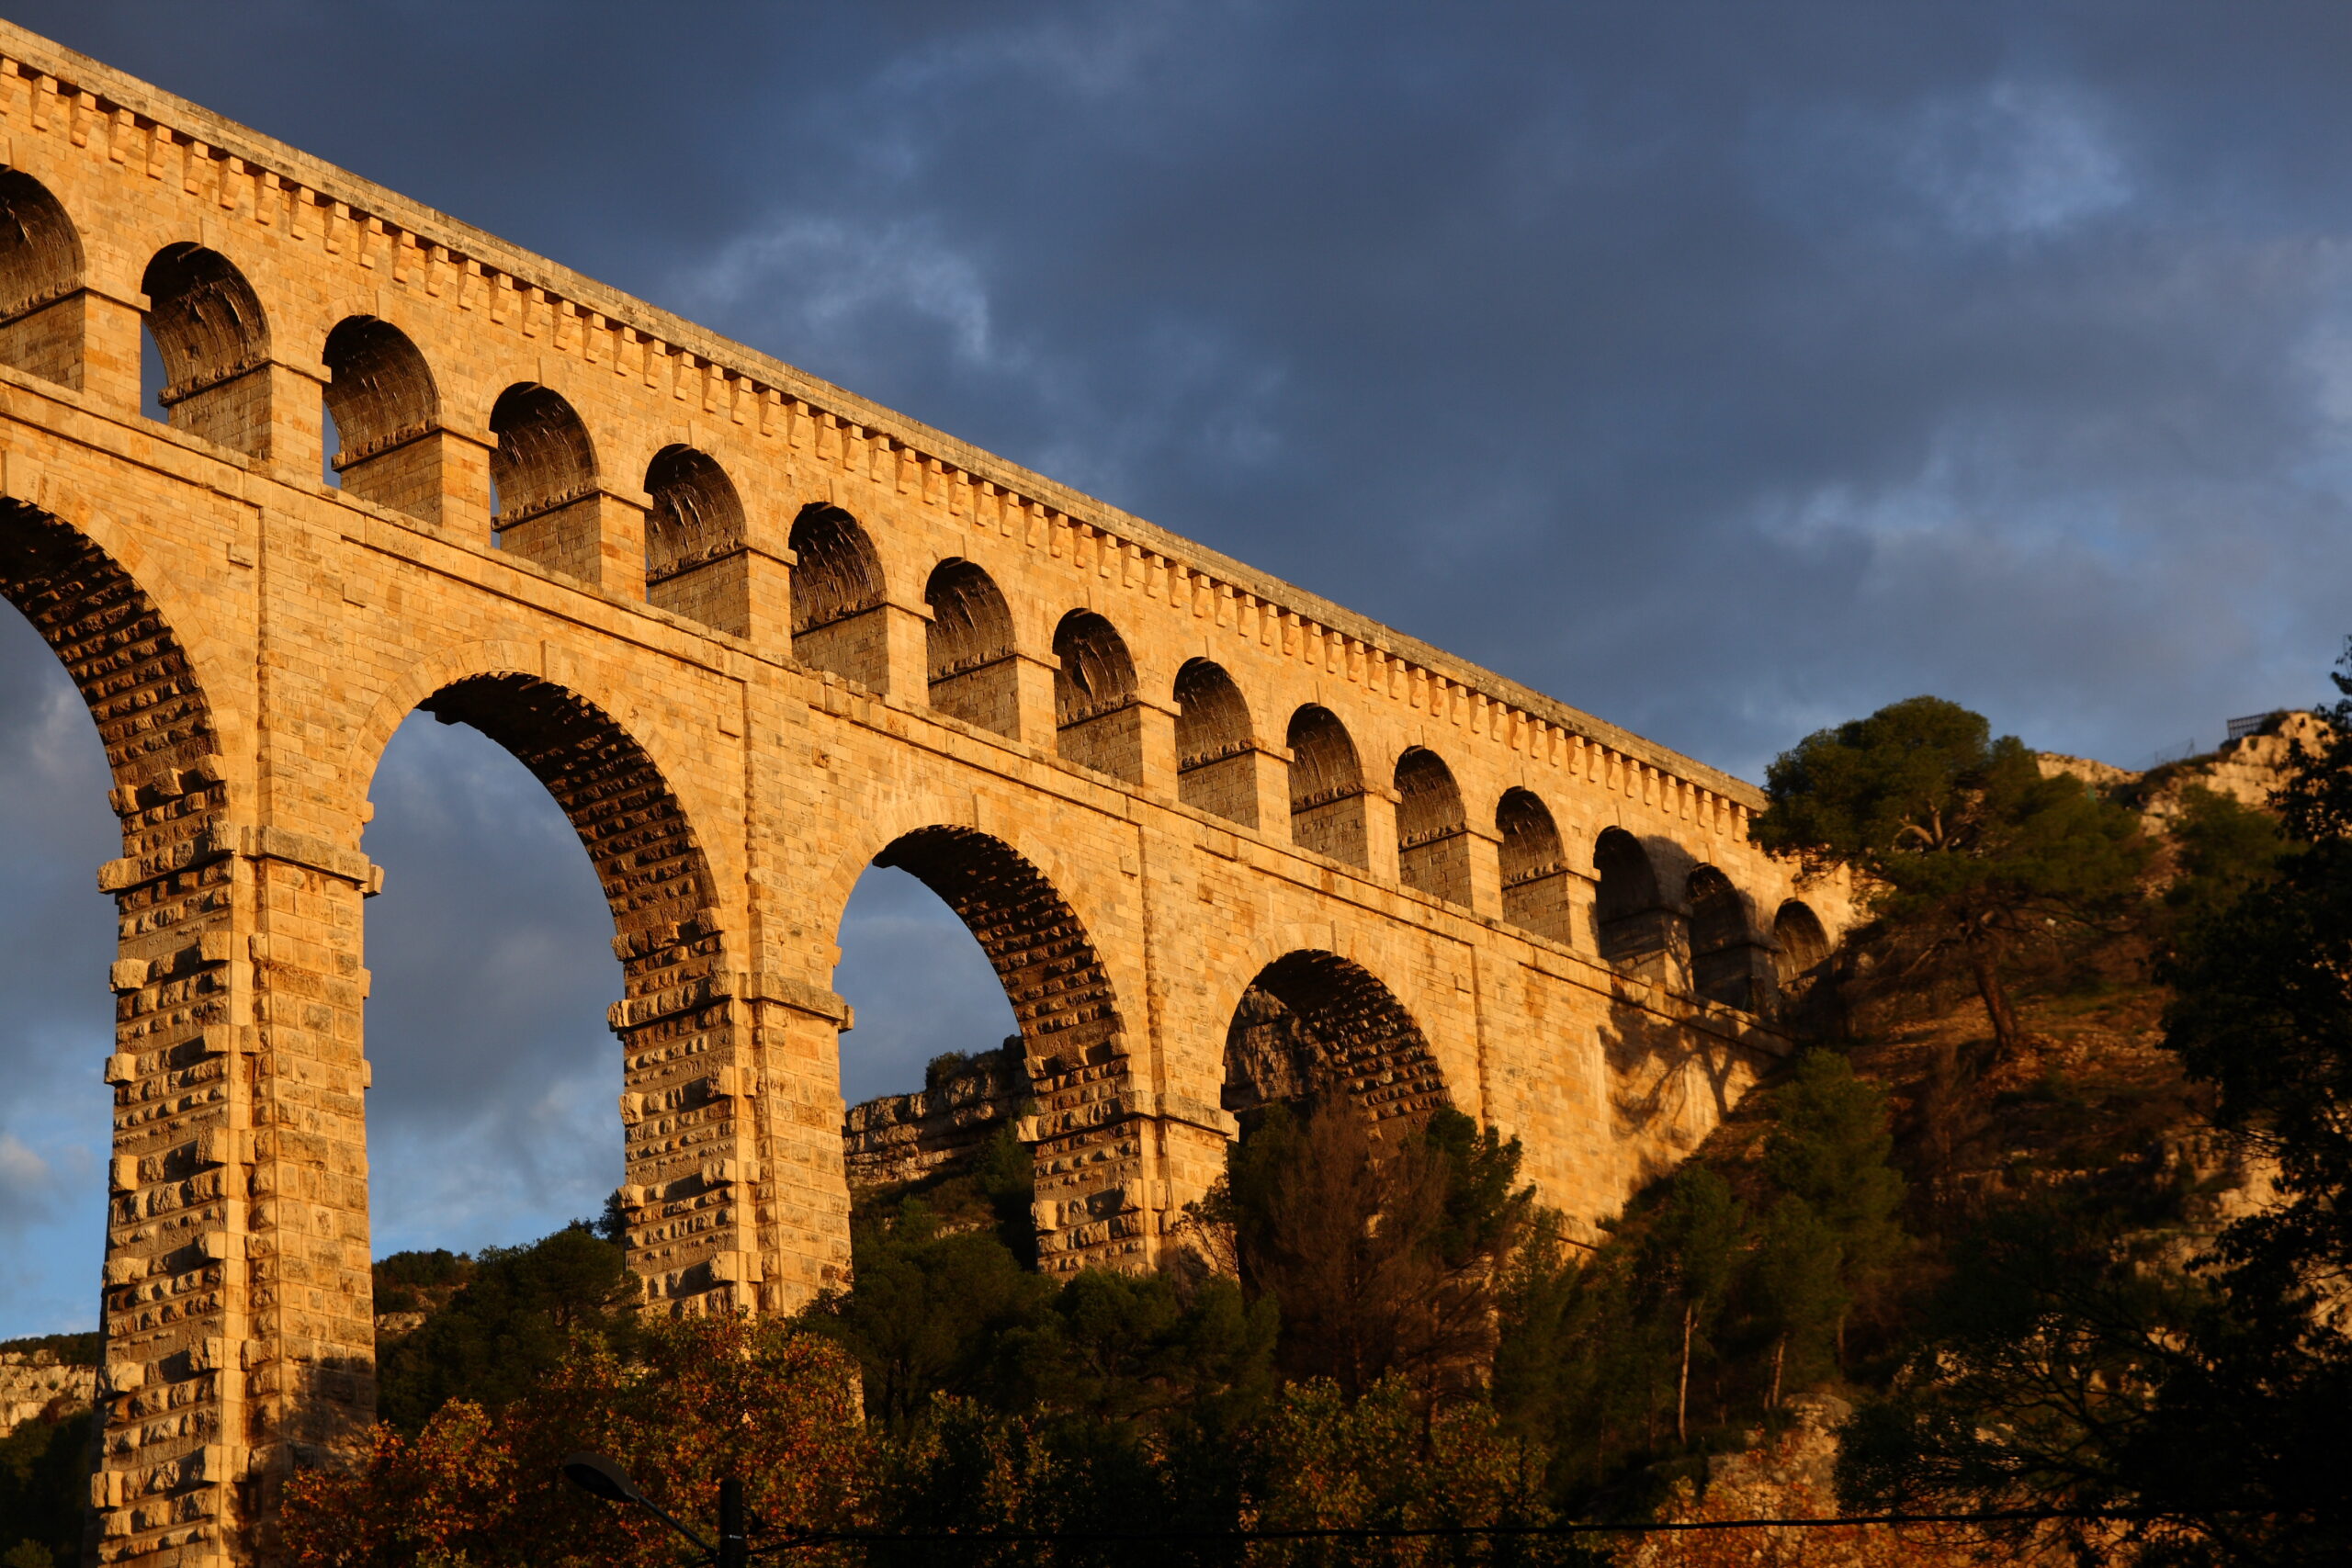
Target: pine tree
x: 1832, y: 1149
x: 1965, y: 850
x: 1796, y: 1279
x: 1692, y: 1248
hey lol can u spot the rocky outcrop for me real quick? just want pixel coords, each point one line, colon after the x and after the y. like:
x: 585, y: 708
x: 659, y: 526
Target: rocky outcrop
x: 33, y: 1381
x: 907, y: 1137
x: 2247, y: 770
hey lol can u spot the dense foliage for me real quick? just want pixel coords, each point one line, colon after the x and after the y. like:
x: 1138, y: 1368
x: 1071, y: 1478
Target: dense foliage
x: 2018, y: 1281
x: 44, y: 1464
x: 1964, y: 850
x: 2092, y: 1355
x: 504, y: 1319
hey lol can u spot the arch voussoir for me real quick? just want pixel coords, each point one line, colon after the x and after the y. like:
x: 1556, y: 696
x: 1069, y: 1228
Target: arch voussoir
x: 691, y: 1108
x: 1086, y: 1132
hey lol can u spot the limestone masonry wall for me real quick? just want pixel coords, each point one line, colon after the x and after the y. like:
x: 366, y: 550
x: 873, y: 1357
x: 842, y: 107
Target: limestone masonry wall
x: 1222, y: 841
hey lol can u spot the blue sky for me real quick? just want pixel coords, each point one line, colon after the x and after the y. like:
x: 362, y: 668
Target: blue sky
x: 1726, y: 370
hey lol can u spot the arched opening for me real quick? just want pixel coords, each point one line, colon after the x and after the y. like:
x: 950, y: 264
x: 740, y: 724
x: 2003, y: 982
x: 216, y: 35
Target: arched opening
x: 1215, y: 746
x: 967, y: 649
x: 1313, y: 1026
x: 381, y: 406
x: 209, y: 332
x: 1432, y: 831
x: 934, y: 1074
x: 1327, y: 812
x: 1635, y: 930
x: 54, y: 826
x: 1534, y: 866
x: 1800, y: 946
x: 115, y: 1132
x: 1095, y: 717
x: 836, y: 584
x: 543, y: 480
x: 1723, y: 952
x: 1072, y: 1039
x: 41, y: 265
x: 694, y: 541
x: 492, y: 1110
x: 690, y: 1113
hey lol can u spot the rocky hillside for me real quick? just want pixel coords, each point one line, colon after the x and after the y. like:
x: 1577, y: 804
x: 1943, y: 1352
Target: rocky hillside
x: 47, y: 1378
x: 2246, y: 770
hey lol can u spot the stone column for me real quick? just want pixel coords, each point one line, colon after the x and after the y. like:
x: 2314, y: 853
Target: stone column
x: 1483, y: 866
x: 1034, y: 694
x: 311, y: 1376
x: 689, y: 1121
x: 293, y: 416
x: 1187, y: 1144
x: 803, y: 1211
x: 87, y: 340
x: 1270, y: 766
x: 1156, y: 747
x: 464, y: 507
x: 1380, y: 832
x: 907, y: 659
x: 176, y: 1306
x: 238, y: 1318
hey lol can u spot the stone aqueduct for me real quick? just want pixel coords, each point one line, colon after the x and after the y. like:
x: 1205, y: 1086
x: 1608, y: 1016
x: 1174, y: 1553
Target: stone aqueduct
x: 753, y: 632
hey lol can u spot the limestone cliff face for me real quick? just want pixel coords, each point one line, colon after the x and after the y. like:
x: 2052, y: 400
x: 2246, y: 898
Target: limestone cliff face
x: 906, y: 1137
x: 2246, y: 770
x: 31, y: 1380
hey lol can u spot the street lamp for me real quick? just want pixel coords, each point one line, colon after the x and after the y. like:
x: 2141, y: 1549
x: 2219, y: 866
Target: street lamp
x: 600, y: 1477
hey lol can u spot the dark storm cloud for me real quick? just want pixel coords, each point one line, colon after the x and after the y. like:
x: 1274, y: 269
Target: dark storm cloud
x: 56, y: 1027
x: 493, y: 1115
x: 920, y: 984
x: 1725, y: 369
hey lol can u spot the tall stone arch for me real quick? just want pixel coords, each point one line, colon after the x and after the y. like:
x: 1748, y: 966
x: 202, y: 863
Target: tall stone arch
x: 1085, y: 1135
x: 1533, y: 864
x: 1314, y: 1026
x: 1216, y: 743
x: 386, y: 407
x: 1728, y: 963
x: 1433, y: 828
x: 696, y: 541
x: 690, y: 1106
x: 969, y: 667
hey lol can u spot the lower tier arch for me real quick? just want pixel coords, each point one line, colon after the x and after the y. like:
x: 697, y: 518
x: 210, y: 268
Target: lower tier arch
x: 1312, y: 1025
x: 1085, y: 1135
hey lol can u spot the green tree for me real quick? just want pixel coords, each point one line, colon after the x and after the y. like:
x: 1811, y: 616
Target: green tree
x: 693, y: 1401
x: 2221, y: 850
x: 505, y: 1327
x: 1382, y: 1258
x: 1962, y: 848
x: 1831, y: 1148
x: 1692, y: 1246
x: 2076, y: 1365
x: 929, y: 1312
x: 1118, y: 1347
x: 1796, y: 1283
x: 44, y: 1485
x: 1583, y: 1357
x: 2064, y: 1365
